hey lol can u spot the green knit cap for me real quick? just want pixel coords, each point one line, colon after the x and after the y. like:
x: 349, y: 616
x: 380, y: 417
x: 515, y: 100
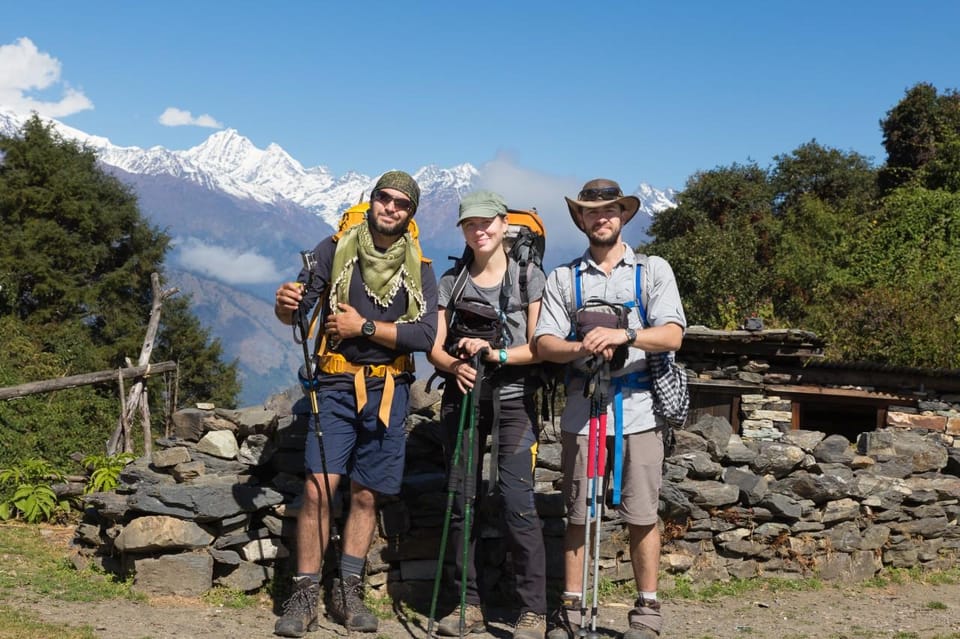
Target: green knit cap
x: 402, y: 182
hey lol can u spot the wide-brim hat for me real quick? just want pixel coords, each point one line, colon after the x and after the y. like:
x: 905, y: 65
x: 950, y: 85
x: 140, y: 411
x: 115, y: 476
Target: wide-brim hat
x: 602, y: 192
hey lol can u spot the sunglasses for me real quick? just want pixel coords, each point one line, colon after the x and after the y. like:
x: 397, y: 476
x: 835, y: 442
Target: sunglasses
x: 399, y: 203
x: 606, y: 193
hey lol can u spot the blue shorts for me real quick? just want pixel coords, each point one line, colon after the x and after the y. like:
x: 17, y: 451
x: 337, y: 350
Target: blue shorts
x: 357, y: 445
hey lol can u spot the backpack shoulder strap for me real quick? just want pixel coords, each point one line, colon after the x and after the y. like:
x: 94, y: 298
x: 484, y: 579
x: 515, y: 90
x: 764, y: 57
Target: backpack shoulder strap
x: 459, y: 283
x: 642, y: 295
x: 524, y: 277
x: 525, y: 274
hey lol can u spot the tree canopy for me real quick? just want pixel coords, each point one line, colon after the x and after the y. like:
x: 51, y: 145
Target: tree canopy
x: 866, y: 256
x: 76, y: 258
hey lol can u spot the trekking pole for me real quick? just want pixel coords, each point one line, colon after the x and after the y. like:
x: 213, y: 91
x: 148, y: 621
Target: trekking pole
x: 589, y: 390
x: 311, y: 386
x: 470, y: 482
x: 452, y: 483
x: 599, y: 408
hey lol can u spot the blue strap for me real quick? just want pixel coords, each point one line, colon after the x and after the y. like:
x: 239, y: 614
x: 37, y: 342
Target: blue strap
x: 636, y: 380
x: 578, y: 293
x: 617, y: 441
x: 578, y: 302
x: 638, y: 291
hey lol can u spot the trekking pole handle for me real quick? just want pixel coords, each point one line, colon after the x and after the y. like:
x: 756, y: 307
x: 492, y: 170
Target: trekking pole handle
x: 309, y: 262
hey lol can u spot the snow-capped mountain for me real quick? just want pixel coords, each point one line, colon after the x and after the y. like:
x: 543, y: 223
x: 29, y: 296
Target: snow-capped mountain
x: 652, y: 200
x: 239, y: 216
x: 230, y: 163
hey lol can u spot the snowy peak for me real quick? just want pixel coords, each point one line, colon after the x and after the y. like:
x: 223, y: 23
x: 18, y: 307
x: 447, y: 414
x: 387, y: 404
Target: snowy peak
x: 231, y: 163
x: 652, y: 200
x: 226, y: 151
x: 458, y: 178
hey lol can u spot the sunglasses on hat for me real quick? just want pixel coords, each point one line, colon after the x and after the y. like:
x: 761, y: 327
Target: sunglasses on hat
x: 399, y: 203
x: 606, y: 193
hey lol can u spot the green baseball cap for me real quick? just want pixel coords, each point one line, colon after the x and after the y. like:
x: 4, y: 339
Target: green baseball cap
x: 481, y: 204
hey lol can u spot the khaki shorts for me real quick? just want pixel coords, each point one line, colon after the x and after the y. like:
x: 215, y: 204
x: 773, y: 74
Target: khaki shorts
x: 642, y: 476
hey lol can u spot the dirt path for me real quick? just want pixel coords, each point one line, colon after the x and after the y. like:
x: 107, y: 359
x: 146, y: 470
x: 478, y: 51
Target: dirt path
x: 910, y: 611
x: 898, y: 611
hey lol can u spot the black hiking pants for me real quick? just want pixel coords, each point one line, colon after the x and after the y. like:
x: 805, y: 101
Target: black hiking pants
x: 518, y: 435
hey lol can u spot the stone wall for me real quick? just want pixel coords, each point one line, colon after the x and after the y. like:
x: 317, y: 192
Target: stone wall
x: 216, y: 504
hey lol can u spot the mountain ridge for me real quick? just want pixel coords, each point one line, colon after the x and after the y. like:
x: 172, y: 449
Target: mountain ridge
x: 239, y: 216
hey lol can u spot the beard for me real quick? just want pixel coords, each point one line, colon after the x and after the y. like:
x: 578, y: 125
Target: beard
x: 603, y: 242
x: 389, y: 231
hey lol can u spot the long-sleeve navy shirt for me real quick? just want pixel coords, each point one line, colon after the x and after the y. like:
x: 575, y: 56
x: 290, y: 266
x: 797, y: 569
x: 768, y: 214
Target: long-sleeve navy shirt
x: 411, y: 336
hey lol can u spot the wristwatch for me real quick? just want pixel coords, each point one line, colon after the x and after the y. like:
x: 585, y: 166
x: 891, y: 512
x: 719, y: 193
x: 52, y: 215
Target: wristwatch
x: 368, y: 328
x: 631, y: 336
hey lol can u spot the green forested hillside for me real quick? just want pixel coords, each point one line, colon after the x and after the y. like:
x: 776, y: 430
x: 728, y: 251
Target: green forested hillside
x: 869, y: 257
x: 75, y: 263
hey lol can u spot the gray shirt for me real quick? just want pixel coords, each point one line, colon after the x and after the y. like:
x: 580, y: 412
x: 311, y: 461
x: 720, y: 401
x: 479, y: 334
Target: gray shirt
x: 516, y: 315
x: 663, y: 306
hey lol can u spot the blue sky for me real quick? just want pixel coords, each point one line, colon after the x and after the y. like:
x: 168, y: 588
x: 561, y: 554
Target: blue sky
x: 637, y: 91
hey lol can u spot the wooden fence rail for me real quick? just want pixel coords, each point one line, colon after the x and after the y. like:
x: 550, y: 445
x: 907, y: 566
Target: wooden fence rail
x: 85, y: 379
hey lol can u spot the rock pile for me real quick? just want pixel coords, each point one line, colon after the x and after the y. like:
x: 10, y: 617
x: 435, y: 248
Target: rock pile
x: 216, y: 504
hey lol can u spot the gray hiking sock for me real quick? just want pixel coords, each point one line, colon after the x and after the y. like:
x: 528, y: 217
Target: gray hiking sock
x: 312, y: 576
x: 351, y: 565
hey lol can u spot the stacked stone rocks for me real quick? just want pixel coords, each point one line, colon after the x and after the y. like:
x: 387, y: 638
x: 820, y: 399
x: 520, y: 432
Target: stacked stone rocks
x: 216, y: 504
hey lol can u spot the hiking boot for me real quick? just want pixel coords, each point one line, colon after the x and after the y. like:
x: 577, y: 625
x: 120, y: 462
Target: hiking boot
x: 347, y: 607
x: 645, y: 620
x: 530, y: 625
x: 449, y: 626
x: 567, y: 619
x: 300, y: 610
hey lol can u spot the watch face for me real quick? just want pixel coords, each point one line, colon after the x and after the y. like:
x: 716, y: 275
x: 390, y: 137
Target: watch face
x: 368, y: 328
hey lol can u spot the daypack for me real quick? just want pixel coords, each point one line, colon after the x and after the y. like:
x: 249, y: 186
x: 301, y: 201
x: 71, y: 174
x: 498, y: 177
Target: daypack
x: 667, y: 379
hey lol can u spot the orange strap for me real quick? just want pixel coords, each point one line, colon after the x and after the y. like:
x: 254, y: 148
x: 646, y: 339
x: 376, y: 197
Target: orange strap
x: 335, y: 364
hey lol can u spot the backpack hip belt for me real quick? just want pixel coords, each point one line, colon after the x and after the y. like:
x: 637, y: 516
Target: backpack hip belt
x: 335, y: 364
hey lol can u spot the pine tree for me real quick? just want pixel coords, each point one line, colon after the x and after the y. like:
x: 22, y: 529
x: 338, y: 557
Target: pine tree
x: 76, y: 257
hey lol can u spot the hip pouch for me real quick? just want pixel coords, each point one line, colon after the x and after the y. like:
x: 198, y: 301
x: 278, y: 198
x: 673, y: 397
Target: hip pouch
x: 476, y: 318
x: 597, y: 313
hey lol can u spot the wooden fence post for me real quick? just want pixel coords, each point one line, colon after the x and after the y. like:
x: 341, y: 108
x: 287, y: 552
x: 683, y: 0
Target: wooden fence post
x: 136, y: 400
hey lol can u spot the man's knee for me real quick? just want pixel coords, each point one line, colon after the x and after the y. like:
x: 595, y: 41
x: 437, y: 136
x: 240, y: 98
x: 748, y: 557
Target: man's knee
x: 363, y: 499
x: 640, y: 532
x: 315, y: 491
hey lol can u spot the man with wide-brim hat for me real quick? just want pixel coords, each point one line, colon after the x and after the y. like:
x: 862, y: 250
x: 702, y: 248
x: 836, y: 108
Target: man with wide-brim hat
x: 598, y: 193
x: 570, y: 331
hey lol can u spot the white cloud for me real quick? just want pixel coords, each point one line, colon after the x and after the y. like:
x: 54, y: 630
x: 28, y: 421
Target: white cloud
x: 173, y: 116
x: 227, y: 265
x: 525, y: 188
x: 23, y: 70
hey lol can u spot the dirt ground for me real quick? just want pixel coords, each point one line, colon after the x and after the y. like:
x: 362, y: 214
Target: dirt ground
x: 897, y: 611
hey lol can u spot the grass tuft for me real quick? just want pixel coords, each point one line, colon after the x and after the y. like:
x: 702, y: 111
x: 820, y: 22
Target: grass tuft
x: 31, y: 562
